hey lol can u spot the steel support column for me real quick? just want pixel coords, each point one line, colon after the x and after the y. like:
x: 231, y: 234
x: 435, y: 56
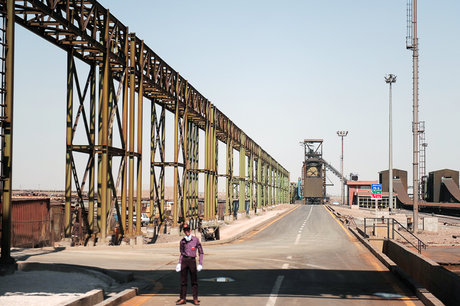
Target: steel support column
x: 104, y: 137
x: 242, y: 178
x: 210, y: 164
x: 125, y: 126
x: 153, y: 190
x: 251, y: 179
x: 229, y: 189
x: 132, y: 102
x: 265, y: 183
x: 162, y: 145
x: 185, y: 173
x: 7, y: 147
x: 270, y: 183
x: 68, y: 164
x: 176, y: 163
x: 140, y: 109
x: 193, y: 156
x: 259, y: 178
x: 92, y: 140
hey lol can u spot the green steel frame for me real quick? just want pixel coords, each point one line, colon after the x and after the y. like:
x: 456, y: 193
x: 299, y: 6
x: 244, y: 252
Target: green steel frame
x: 128, y: 72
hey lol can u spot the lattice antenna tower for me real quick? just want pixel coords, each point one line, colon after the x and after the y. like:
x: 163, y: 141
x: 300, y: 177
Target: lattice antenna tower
x: 412, y: 44
x: 422, y: 151
x: 410, y: 25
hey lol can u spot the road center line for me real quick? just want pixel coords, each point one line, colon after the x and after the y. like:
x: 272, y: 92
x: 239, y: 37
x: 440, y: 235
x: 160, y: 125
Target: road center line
x: 275, y: 290
x: 297, y: 239
x: 285, y: 266
x: 298, y: 236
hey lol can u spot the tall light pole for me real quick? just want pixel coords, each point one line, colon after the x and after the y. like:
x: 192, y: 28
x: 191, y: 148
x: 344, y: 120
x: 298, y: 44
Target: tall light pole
x: 342, y: 134
x: 412, y: 44
x: 390, y: 79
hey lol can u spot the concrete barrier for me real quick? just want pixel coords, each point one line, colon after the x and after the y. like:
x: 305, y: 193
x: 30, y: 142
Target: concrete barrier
x: 119, y: 298
x: 443, y: 283
x: 89, y: 298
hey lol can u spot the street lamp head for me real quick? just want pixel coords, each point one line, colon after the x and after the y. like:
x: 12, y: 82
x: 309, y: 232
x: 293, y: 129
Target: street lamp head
x: 342, y: 133
x: 390, y: 78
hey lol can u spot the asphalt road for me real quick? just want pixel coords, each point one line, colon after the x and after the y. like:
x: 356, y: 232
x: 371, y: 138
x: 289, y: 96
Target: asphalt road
x: 304, y: 258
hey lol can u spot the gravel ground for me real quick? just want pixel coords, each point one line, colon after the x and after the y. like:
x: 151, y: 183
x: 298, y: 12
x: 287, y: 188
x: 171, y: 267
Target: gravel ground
x: 444, y: 236
x: 45, y: 287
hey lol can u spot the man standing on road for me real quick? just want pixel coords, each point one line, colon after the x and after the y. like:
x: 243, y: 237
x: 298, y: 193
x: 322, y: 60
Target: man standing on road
x: 187, y: 262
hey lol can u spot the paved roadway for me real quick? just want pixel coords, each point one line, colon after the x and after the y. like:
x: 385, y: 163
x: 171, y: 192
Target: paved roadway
x: 304, y: 258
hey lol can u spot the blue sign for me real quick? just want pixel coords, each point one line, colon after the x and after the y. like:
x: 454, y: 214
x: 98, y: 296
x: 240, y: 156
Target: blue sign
x: 376, y: 188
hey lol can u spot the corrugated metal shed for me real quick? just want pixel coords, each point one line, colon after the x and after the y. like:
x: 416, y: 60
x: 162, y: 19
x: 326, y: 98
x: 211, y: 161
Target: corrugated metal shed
x: 30, y: 222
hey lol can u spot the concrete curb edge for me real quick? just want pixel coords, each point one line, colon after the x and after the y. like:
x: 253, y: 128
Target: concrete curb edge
x: 119, y: 297
x: 422, y: 293
x: 89, y: 298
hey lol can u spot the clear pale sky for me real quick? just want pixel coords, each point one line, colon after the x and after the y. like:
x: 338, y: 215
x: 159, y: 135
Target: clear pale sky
x: 282, y: 71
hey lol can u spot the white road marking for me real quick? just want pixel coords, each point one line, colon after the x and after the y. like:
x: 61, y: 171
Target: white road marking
x: 289, y: 257
x: 285, y: 266
x: 297, y: 239
x: 275, y: 290
x: 300, y: 231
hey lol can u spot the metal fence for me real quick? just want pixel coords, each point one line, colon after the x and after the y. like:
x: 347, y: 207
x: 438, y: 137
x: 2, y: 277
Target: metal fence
x: 34, y: 223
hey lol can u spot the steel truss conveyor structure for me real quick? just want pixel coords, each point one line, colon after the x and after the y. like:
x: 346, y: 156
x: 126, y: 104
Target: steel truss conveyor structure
x: 124, y: 72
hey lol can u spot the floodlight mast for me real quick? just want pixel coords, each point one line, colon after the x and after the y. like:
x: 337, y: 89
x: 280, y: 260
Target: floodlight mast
x: 342, y: 134
x: 390, y: 79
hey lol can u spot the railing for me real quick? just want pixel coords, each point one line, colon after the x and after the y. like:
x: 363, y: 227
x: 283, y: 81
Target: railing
x: 390, y: 223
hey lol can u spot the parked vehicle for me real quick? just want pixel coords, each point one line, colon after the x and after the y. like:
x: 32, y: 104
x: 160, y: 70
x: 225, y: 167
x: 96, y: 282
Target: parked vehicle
x: 145, y: 220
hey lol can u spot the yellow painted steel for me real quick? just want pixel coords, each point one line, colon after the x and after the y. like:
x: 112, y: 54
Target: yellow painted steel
x: 153, y: 194
x: 270, y: 184
x: 140, y: 109
x: 132, y: 102
x: 92, y: 140
x: 68, y: 166
x: 185, y: 180
x: 7, y: 153
x: 176, y: 161
x: 124, y: 178
x: 229, y: 188
x: 210, y: 165
x: 242, y: 181
x: 259, y: 178
x: 104, y: 136
x: 251, y: 179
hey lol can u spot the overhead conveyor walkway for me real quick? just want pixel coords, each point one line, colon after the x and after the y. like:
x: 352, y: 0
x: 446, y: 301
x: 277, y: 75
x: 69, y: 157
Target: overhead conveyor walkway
x: 107, y: 105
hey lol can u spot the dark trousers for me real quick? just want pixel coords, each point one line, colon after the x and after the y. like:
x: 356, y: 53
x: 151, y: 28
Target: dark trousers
x: 188, y: 265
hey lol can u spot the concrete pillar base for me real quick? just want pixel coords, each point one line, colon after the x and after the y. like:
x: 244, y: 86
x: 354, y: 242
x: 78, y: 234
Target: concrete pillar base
x: 132, y: 241
x: 174, y: 231
x: 140, y: 240
x: 430, y: 224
